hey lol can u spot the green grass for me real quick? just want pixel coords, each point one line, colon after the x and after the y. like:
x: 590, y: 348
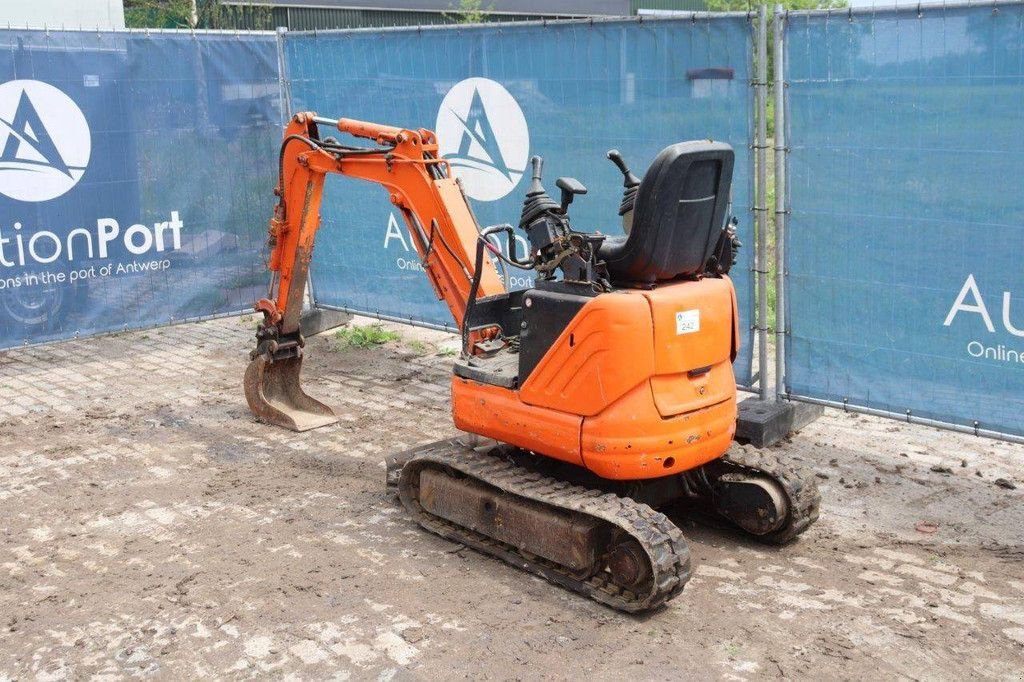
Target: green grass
x: 419, y: 346
x: 427, y: 348
x: 364, y: 336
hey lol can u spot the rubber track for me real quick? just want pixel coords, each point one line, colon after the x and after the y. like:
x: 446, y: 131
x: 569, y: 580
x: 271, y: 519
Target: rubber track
x: 660, y: 538
x: 798, y: 484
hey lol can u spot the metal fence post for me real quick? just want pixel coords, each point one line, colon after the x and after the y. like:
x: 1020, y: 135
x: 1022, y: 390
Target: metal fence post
x: 780, y: 203
x: 282, y: 83
x: 761, y: 202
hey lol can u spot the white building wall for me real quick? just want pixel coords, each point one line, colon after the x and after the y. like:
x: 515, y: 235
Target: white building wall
x: 67, y: 13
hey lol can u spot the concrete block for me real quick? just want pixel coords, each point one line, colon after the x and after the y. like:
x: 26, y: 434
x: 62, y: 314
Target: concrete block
x: 762, y: 424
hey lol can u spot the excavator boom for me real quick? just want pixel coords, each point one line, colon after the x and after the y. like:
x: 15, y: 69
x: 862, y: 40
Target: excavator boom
x: 419, y: 184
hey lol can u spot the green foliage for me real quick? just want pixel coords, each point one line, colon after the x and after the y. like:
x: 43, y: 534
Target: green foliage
x: 195, y: 14
x: 427, y: 348
x: 470, y: 12
x: 364, y: 336
x: 157, y: 13
x: 419, y: 347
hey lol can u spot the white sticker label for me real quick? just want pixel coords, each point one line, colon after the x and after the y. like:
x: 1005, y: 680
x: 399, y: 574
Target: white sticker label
x: 687, y: 321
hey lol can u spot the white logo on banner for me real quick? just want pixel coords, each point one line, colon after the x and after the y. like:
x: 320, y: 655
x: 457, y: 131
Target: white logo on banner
x: 44, y: 141
x: 394, y: 234
x: 970, y: 302
x: 483, y: 134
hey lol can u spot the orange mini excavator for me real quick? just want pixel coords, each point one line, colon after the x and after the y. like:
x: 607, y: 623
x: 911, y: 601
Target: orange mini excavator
x: 602, y: 394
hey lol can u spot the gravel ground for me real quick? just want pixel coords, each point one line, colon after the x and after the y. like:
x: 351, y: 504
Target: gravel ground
x: 151, y: 528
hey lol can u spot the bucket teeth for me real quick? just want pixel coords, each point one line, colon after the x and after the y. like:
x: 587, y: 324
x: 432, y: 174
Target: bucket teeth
x: 275, y: 396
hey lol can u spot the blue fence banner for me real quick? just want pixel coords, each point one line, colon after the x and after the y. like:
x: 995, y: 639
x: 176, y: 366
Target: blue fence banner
x: 906, y: 286
x: 498, y: 95
x: 136, y: 176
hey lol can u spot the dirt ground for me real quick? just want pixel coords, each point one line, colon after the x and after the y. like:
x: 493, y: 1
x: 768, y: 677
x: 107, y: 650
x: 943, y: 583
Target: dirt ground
x: 151, y: 528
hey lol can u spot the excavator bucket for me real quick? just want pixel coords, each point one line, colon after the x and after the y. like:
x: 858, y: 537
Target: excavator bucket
x: 274, y: 395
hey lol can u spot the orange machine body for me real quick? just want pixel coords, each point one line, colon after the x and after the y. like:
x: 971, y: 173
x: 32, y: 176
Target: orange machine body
x: 639, y: 385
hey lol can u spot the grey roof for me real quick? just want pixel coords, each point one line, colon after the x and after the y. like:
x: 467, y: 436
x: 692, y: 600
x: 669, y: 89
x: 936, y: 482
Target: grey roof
x: 546, y: 7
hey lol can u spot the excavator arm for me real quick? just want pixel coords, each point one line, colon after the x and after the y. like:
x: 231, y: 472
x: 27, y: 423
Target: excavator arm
x: 440, y: 223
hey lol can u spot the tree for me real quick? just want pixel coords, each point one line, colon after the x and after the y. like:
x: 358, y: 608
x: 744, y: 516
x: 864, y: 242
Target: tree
x: 195, y: 14
x: 470, y: 12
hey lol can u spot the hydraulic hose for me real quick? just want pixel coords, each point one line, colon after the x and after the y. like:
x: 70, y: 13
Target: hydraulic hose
x: 478, y: 267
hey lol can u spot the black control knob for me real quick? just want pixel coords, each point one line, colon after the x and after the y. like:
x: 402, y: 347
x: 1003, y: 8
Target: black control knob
x: 570, y: 188
x: 537, y: 201
x: 628, y: 179
x: 535, y: 187
x: 631, y: 185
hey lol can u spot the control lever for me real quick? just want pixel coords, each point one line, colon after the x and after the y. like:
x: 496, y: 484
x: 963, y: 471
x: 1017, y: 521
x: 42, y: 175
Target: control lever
x: 631, y: 185
x: 537, y: 202
x: 629, y: 180
x: 538, y: 166
x: 570, y: 188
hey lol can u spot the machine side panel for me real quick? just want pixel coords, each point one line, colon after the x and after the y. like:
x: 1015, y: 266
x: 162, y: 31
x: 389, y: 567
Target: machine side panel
x: 693, y: 324
x: 606, y: 350
x: 546, y: 314
x: 694, y: 333
x: 631, y: 440
x: 498, y: 413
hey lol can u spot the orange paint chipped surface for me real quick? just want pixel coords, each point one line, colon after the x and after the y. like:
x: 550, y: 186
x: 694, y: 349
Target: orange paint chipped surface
x: 629, y: 390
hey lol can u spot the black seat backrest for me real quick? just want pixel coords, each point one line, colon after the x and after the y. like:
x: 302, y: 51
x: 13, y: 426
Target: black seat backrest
x: 678, y: 216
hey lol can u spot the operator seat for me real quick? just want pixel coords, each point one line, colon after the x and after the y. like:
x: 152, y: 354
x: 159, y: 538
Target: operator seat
x: 678, y: 215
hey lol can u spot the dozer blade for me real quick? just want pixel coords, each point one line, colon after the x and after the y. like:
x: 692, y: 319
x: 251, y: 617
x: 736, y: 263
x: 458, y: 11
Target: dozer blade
x: 274, y: 395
